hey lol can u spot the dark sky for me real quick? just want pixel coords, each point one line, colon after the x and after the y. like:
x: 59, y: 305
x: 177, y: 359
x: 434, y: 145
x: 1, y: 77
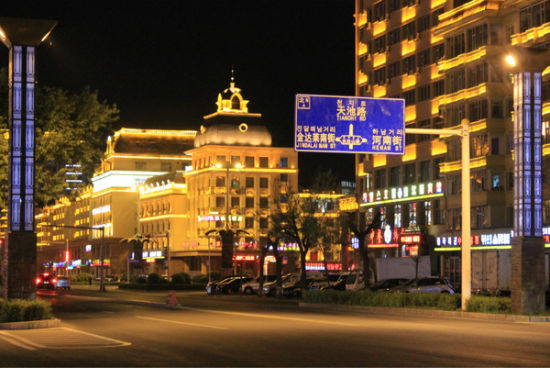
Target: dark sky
x: 164, y: 62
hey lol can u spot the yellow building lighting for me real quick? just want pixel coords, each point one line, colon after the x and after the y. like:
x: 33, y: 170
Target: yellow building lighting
x: 378, y: 59
x: 439, y: 147
x: 379, y: 91
x: 410, y: 153
x: 348, y: 204
x: 446, y: 167
x: 162, y: 217
x: 531, y: 34
x: 546, y: 149
x: 408, y: 80
x: 378, y: 27
x: 410, y: 113
x: 435, y: 3
x: 462, y: 59
x: 435, y: 39
x: 156, y: 132
x: 408, y: 47
x: 362, y: 78
x: 435, y: 106
x: 434, y: 72
x: 379, y: 160
x: 148, y: 157
x: 408, y: 12
x: 464, y: 94
x: 362, y: 49
x: 362, y: 19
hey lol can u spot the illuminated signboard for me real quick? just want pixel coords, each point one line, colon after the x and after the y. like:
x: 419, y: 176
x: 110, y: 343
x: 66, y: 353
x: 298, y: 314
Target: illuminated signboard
x: 219, y: 218
x: 244, y: 258
x: 88, y: 248
x: 152, y: 254
x: 401, y: 194
x: 386, y: 238
x: 97, y: 262
x: 349, y: 124
x: 320, y: 266
x: 410, y: 239
x: 479, y: 241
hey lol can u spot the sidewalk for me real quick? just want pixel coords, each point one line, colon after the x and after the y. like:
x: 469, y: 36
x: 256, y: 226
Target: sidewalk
x: 425, y: 312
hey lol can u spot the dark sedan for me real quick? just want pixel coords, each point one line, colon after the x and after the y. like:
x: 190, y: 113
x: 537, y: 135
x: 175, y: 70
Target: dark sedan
x: 232, y: 286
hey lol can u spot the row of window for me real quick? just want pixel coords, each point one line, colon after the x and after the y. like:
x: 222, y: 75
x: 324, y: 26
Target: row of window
x: 235, y: 202
x: 472, y: 76
x: 249, y: 182
x: 423, y: 213
x: 164, y: 166
x: 534, y: 15
x: 415, y: 172
x: 154, y: 209
x: 478, y: 110
x: 235, y: 161
x: 384, y: 8
x: 156, y: 227
x: 407, y: 65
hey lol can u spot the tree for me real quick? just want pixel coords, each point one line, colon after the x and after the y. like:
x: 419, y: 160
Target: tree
x: 71, y: 128
x: 294, y: 219
x: 361, y: 235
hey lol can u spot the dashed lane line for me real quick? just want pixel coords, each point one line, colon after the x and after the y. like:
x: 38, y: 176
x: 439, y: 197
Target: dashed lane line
x: 182, y: 323
x: 269, y: 316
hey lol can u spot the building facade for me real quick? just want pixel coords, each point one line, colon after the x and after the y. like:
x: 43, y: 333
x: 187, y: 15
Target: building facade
x: 446, y: 59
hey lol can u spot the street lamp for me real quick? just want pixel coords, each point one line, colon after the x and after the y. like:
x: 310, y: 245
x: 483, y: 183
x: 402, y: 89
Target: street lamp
x: 528, y: 282
x: 21, y: 37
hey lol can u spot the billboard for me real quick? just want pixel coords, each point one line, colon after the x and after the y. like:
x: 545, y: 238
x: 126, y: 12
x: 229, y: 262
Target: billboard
x: 349, y: 124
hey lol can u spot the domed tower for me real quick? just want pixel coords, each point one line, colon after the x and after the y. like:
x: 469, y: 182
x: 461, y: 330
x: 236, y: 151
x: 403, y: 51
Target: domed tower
x: 232, y: 124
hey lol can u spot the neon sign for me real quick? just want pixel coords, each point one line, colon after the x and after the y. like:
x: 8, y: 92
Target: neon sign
x: 320, y: 266
x: 399, y: 194
x: 244, y: 258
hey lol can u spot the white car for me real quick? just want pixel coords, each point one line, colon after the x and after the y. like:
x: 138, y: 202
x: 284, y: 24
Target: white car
x: 425, y: 285
x: 253, y: 286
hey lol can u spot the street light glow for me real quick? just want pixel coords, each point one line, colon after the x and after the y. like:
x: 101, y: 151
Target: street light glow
x: 511, y: 60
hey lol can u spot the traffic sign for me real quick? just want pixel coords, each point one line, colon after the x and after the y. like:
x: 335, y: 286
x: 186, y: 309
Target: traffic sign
x: 348, y: 124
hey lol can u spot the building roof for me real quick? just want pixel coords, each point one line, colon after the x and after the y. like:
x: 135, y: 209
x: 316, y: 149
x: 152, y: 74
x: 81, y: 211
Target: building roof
x: 153, y: 142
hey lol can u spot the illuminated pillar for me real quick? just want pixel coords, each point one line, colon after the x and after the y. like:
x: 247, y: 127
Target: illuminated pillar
x: 528, y: 269
x: 21, y: 36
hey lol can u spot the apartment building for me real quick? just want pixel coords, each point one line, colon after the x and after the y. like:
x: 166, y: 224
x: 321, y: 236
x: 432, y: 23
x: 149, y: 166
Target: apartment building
x: 446, y: 59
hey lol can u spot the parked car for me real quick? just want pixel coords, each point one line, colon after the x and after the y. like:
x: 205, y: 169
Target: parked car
x: 294, y: 290
x: 252, y: 286
x: 233, y: 285
x: 45, y: 281
x: 386, y: 285
x: 425, y: 285
x: 270, y: 287
x: 63, y: 282
x: 339, y: 284
x: 211, y: 286
x: 355, y: 282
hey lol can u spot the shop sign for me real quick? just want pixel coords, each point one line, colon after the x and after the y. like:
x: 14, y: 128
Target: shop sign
x: 487, y: 239
x: 152, y: 254
x: 97, y: 262
x: 320, y: 266
x: 244, y: 258
x: 219, y: 218
x: 410, y: 239
x: 402, y: 193
x: 88, y: 248
x: 386, y: 238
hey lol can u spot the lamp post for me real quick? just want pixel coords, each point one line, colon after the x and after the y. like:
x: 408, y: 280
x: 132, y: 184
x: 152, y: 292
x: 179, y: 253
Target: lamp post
x: 528, y: 282
x: 21, y: 37
x: 464, y: 134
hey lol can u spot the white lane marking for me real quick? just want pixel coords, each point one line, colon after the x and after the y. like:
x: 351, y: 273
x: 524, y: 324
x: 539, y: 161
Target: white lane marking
x: 268, y: 316
x: 10, y: 339
x: 122, y: 343
x: 182, y: 323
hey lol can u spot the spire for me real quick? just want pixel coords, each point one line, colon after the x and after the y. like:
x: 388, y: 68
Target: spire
x: 232, y: 87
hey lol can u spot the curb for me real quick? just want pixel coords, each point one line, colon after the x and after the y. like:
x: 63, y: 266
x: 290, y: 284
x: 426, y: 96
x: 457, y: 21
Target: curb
x: 26, y: 325
x: 128, y: 301
x: 426, y: 312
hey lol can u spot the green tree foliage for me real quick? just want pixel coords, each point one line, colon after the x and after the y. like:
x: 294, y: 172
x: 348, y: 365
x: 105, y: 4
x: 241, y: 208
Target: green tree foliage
x: 70, y: 128
x: 295, y: 220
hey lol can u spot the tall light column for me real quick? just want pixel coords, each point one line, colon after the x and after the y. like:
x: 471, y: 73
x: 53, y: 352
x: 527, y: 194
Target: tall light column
x: 21, y: 36
x: 528, y: 279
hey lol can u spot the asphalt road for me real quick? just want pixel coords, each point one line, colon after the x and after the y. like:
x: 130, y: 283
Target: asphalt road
x: 213, y: 331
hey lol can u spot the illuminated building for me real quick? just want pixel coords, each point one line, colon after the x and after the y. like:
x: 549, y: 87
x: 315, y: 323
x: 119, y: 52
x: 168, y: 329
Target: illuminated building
x: 235, y: 177
x: 445, y: 58
x: 132, y: 157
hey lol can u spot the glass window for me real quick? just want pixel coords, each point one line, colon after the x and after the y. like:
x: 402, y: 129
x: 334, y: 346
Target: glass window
x: 220, y: 181
x: 220, y: 202
x: 284, y: 162
x: 249, y: 161
x: 425, y: 171
x: 235, y: 183
x: 220, y: 160
x: 235, y: 202
x: 249, y: 222
x: 140, y: 165
x: 395, y: 176
x: 264, y: 162
x: 249, y: 202
x: 264, y: 222
x: 410, y: 174
x: 264, y: 202
x: 264, y: 182
x: 249, y: 182
x: 284, y: 178
x: 235, y: 161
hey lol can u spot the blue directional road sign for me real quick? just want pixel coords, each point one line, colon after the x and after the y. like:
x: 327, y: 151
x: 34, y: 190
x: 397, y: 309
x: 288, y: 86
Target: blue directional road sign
x: 348, y: 124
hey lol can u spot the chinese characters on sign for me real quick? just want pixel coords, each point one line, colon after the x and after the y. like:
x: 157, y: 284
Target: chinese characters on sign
x: 349, y: 124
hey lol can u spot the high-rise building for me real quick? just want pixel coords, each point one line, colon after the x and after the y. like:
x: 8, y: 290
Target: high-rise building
x: 446, y: 59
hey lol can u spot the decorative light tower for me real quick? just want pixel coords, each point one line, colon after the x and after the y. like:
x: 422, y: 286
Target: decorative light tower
x: 528, y: 287
x: 21, y: 36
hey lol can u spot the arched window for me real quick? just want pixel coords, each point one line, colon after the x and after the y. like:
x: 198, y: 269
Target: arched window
x: 235, y: 103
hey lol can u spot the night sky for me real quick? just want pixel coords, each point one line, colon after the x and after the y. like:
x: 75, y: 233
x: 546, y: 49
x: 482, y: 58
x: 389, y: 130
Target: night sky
x: 163, y: 63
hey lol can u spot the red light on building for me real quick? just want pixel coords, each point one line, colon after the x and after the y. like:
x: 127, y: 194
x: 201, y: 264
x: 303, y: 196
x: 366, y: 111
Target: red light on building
x: 244, y: 258
x: 413, y: 250
x: 67, y: 256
